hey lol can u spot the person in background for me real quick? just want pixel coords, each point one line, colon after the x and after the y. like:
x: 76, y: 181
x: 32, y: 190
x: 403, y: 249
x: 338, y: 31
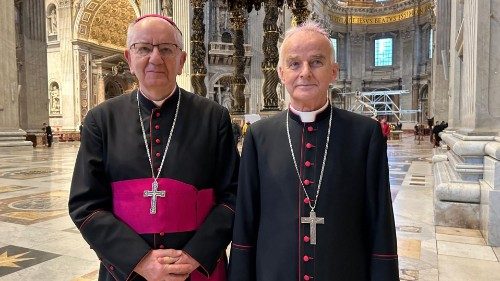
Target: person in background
x: 48, y: 134
x: 386, y: 129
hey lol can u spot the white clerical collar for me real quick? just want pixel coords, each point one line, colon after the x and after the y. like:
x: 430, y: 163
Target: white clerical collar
x: 159, y: 102
x: 309, y: 116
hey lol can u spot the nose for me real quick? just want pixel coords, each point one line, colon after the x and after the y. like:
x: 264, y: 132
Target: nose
x: 305, y: 70
x: 155, y: 57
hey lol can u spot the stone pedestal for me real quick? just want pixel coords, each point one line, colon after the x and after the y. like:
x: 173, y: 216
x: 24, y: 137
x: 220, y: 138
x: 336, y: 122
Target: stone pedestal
x: 490, y: 194
x: 467, y: 183
x: 13, y: 138
x: 467, y: 180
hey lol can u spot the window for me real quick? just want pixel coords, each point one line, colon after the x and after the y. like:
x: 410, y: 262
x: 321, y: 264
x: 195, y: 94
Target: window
x: 430, y: 44
x: 334, y: 43
x: 383, y: 52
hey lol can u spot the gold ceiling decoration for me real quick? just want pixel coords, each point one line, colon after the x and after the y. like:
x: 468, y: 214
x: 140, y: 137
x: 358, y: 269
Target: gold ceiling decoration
x: 105, y: 22
x: 390, y: 18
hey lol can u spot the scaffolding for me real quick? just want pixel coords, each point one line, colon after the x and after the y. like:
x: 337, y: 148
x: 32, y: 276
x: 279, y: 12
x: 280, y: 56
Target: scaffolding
x: 378, y: 103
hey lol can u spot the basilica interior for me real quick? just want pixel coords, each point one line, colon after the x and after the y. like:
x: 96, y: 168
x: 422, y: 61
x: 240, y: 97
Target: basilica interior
x: 418, y: 63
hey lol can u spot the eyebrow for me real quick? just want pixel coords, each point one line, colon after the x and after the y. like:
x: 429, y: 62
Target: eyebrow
x: 292, y: 58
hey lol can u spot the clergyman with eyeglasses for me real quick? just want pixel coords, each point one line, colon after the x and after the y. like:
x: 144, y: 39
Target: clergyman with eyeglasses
x: 154, y: 184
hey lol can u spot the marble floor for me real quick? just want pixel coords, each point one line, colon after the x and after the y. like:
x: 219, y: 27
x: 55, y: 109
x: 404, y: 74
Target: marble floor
x: 38, y: 241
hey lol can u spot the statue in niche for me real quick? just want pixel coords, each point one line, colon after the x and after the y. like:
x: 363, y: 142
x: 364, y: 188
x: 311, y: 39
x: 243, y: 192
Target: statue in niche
x: 52, y: 20
x: 55, y: 107
x: 227, y: 99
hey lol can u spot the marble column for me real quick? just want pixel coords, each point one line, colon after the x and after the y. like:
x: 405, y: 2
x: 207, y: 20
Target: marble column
x: 10, y: 132
x: 32, y: 56
x: 238, y: 81
x: 270, y: 49
x: 255, y: 40
x: 440, y: 71
x: 182, y: 14
x: 300, y: 11
x: 151, y: 7
x: 198, y: 52
x: 68, y: 88
x: 455, y: 69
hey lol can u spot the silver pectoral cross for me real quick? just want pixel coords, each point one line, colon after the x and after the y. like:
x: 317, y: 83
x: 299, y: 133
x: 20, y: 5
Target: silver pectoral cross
x: 312, y: 220
x: 154, y: 193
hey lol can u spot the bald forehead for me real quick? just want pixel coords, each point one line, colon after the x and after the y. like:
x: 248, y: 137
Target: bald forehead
x: 299, y: 37
x: 153, y: 22
x: 154, y: 29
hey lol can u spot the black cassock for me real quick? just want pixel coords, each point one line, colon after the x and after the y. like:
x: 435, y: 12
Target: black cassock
x: 112, y: 172
x: 357, y: 241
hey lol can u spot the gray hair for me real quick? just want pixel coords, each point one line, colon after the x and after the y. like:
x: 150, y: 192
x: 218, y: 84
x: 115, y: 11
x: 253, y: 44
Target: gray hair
x: 311, y: 26
x: 131, y: 30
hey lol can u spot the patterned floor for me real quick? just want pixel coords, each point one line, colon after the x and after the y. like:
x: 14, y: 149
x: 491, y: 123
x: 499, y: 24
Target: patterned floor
x: 38, y: 241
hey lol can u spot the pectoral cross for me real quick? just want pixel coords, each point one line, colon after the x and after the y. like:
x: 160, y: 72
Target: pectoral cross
x: 154, y: 193
x: 312, y: 220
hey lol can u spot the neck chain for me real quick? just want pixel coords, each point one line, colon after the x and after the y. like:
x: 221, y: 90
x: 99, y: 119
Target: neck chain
x: 169, y: 136
x: 312, y: 204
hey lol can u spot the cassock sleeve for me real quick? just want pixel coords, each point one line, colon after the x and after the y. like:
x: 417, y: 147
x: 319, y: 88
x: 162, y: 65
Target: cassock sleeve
x: 384, y: 259
x: 90, y: 207
x: 242, y: 265
x: 212, y: 238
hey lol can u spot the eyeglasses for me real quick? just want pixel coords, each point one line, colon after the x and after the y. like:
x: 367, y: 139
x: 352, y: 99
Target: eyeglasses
x: 166, y: 50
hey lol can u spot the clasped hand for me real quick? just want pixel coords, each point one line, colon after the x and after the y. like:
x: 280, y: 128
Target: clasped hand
x: 166, y: 265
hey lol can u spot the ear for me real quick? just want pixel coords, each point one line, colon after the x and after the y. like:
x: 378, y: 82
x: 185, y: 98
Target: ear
x: 335, y: 72
x: 280, y: 74
x: 129, y: 60
x: 182, y: 60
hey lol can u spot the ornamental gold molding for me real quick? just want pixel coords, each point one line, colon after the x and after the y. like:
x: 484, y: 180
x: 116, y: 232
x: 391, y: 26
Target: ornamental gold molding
x: 367, y: 20
x: 105, y: 22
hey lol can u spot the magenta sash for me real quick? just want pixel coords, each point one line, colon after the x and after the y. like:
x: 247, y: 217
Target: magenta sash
x: 184, y: 208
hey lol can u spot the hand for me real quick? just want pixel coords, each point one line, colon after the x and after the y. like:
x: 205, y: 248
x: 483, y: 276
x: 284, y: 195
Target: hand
x: 184, y: 259
x: 151, y: 269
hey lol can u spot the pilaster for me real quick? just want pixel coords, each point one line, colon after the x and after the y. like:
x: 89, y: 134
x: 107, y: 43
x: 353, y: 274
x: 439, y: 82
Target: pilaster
x: 10, y: 132
x: 182, y: 15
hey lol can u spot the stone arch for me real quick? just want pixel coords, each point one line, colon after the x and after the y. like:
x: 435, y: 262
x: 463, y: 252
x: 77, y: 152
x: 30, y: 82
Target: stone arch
x: 105, y: 22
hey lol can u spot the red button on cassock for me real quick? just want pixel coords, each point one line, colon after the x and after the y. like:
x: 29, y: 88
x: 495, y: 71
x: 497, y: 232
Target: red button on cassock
x: 157, y: 114
x: 161, y: 246
x: 157, y: 127
x: 111, y: 268
x: 309, y: 129
x: 307, y: 277
x: 307, y: 182
x: 157, y: 141
x: 306, y: 200
x: 306, y: 239
x: 309, y: 146
x: 308, y: 164
x: 162, y: 233
x: 306, y: 258
x: 158, y: 154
